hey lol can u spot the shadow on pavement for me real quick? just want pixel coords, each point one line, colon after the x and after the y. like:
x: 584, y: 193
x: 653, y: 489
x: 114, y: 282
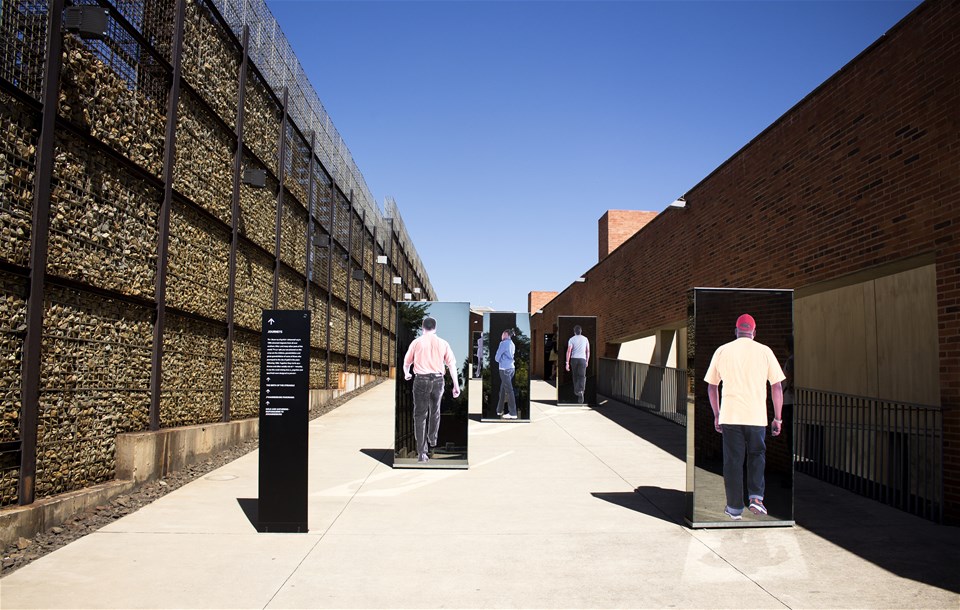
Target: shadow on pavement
x: 662, y: 433
x: 250, y: 508
x: 896, y: 541
x: 384, y: 456
x: 903, y: 544
x: 665, y: 504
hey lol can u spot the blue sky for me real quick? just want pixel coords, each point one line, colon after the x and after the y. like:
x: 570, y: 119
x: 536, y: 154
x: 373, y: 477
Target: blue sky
x: 504, y: 130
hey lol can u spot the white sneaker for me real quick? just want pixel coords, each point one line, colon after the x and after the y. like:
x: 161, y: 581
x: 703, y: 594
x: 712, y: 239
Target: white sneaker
x: 508, y: 416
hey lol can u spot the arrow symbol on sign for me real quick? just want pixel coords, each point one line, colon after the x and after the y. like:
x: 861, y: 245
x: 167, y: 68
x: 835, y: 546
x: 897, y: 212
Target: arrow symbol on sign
x: 268, y: 391
x: 268, y: 402
x: 270, y: 321
x: 268, y: 379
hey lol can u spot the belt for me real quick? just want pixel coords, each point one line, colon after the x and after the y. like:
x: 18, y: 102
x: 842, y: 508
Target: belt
x: 429, y: 374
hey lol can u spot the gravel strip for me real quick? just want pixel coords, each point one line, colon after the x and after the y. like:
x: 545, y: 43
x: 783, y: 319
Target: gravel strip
x: 25, y: 550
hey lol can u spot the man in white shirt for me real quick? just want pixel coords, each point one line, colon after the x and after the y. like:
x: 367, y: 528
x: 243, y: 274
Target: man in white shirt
x: 578, y: 355
x: 744, y: 366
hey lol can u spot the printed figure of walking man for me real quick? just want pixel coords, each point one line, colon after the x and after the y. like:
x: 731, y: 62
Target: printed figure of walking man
x: 427, y: 356
x: 578, y: 355
x: 505, y: 360
x: 744, y: 366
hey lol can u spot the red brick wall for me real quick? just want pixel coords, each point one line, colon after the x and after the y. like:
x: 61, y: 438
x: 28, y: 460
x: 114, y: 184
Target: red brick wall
x: 537, y: 299
x: 617, y: 226
x: 865, y: 171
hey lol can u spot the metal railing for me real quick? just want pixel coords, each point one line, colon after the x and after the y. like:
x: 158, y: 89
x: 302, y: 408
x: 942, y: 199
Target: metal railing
x: 888, y: 451
x: 658, y: 389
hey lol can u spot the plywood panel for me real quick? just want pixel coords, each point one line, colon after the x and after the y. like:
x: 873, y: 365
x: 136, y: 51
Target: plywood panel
x: 831, y: 341
x: 907, y: 341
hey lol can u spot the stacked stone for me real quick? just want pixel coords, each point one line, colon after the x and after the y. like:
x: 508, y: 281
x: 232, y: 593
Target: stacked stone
x: 290, y: 293
x: 197, y: 268
x: 95, y: 379
x: 293, y: 236
x: 13, y: 315
x: 258, y: 212
x: 245, y: 382
x: 103, y: 222
x: 261, y: 124
x: 193, y: 368
x: 297, y: 179
x: 96, y: 97
x: 320, y: 254
x: 203, y: 170
x: 18, y: 147
x: 254, y: 287
x: 210, y: 62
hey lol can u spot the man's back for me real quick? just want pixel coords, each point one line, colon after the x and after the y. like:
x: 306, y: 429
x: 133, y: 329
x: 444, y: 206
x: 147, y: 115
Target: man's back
x: 744, y: 366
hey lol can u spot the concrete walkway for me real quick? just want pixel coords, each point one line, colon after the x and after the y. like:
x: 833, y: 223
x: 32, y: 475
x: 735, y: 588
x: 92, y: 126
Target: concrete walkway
x: 546, y: 516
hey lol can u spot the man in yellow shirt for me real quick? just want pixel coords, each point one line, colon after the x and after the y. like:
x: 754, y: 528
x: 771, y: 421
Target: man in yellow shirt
x: 744, y: 366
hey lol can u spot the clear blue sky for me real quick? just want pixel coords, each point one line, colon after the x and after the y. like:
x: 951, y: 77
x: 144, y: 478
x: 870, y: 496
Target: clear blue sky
x: 506, y: 129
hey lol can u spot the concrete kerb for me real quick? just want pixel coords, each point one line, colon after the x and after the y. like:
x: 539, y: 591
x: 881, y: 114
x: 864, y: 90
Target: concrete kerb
x: 147, y: 456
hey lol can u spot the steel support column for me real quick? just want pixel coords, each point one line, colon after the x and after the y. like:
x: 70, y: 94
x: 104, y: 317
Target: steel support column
x: 39, y: 237
x: 163, y: 242
x: 281, y: 172
x: 235, y: 227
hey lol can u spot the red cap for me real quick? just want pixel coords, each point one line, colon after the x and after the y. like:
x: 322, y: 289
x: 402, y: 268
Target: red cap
x: 746, y: 323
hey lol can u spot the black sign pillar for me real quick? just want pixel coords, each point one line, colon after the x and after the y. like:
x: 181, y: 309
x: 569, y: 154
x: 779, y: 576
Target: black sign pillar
x: 284, y: 415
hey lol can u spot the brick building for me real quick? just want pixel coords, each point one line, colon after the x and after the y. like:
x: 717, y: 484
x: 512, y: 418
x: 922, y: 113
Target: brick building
x: 852, y: 199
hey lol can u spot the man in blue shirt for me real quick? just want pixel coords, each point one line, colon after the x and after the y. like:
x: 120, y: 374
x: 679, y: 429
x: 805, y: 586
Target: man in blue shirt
x: 504, y: 359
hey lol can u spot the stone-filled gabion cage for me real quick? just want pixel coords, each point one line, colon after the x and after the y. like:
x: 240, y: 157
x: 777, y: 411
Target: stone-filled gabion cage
x: 159, y: 187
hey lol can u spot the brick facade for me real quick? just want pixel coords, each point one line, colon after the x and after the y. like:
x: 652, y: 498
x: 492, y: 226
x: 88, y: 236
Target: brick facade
x: 537, y: 299
x: 865, y: 171
x: 617, y: 226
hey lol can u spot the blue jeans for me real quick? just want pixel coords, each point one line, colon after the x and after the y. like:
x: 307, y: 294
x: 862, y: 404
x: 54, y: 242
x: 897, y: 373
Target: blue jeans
x: 741, y: 442
x: 506, y: 389
x: 427, y: 393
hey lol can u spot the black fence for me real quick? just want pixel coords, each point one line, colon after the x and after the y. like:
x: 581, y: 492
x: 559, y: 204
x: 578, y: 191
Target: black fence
x: 658, y: 389
x: 888, y: 451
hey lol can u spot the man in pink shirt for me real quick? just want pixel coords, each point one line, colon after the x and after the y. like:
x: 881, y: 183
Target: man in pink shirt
x: 427, y: 355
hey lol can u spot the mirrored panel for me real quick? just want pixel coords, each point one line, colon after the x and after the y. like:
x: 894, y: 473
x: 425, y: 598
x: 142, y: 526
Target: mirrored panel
x: 748, y: 457
x: 506, y: 392
x: 431, y: 423
x: 576, y: 336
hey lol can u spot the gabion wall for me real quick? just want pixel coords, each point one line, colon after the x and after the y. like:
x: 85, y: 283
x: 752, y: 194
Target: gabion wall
x: 110, y: 245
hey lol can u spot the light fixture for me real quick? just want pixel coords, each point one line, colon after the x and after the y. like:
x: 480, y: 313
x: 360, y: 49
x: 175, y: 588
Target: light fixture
x: 358, y: 274
x: 679, y: 203
x: 407, y: 296
x: 416, y: 291
x: 86, y: 21
x: 321, y: 241
x: 381, y: 260
x: 581, y: 279
x: 256, y: 178
x: 396, y: 280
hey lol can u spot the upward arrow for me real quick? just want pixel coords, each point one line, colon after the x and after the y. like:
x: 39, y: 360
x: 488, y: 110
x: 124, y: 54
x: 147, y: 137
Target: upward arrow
x: 270, y: 321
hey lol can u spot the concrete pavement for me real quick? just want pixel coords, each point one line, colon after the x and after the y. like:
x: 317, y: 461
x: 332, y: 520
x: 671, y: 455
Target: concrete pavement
x: 581, y: 508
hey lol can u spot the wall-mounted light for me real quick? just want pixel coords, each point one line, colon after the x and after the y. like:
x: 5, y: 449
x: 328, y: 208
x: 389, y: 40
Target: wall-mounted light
x: 358, y: 274
x: 321, y: 241
x: 407, y: 296
x: 539, y: 311
x: 256, y: 178
x: 416, y: 291
x: 86, y: 21
x: 381, y: 260
x: 396, y: 280
x: 580, y: 280
x: 679, y: 203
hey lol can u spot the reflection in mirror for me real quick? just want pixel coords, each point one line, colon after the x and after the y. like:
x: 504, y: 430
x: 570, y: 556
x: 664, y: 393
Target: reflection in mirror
x: 500, y: 330
x: 742, y: 473
x: 577, y: 385
x: 431, y: 424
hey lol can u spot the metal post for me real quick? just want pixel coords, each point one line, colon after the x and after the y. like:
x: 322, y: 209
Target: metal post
x: 346, y: 330
x: 306, y: 287
x: 333, y: 209
x: 363, y: 252
x: 235, y: 229
x: 163, y: 243
x: 373, y: 284
x: 281, y: 171
x: 39, y: 236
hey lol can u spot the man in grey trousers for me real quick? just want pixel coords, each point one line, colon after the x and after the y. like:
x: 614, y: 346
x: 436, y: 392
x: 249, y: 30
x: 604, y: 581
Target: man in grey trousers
x: 578, y: 355
x: 505, y: 360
